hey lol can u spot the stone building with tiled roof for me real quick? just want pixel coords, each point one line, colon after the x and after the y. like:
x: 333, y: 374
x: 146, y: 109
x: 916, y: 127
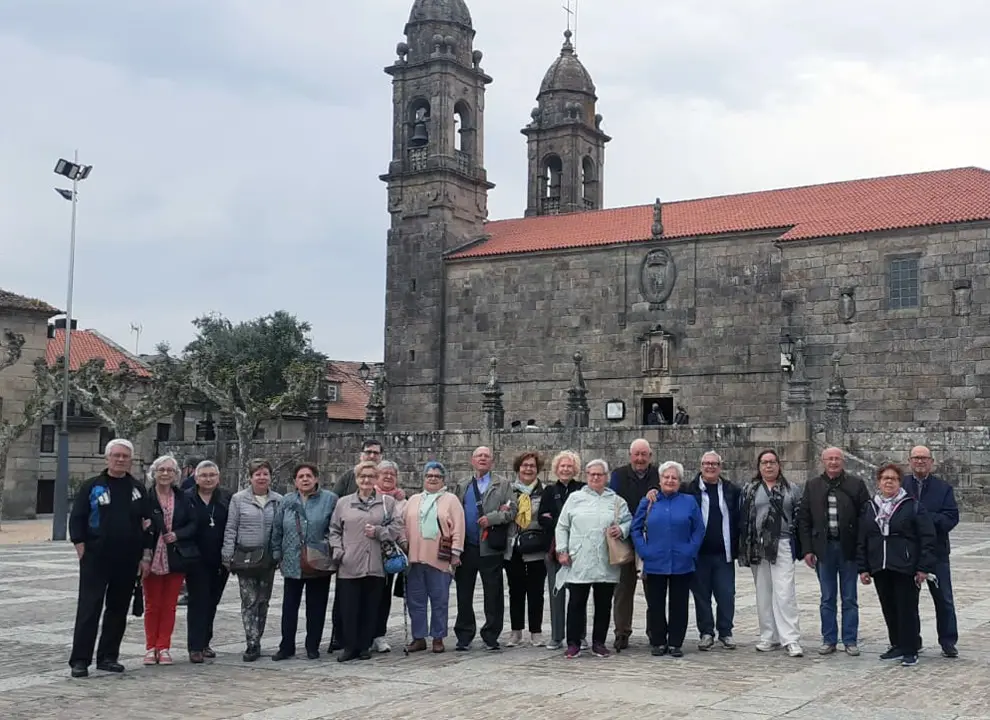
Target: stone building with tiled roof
x: 705, y: 303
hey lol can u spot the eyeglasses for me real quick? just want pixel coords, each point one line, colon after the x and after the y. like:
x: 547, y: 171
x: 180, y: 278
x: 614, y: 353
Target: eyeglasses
x: 710, y: 464
x: 434, y: 477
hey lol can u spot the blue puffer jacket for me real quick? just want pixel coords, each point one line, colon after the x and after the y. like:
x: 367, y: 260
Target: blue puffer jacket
x: 314, y: 519
x: 668, y: 534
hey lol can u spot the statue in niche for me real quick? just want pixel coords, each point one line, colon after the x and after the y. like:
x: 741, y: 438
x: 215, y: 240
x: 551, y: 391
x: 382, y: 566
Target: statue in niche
x: 656, y: 352
x: 847, y: 304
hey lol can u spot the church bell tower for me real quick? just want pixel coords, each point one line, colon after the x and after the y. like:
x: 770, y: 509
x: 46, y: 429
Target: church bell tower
x: 437, y: 198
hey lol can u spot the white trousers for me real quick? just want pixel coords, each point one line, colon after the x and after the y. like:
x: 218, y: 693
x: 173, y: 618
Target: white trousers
x: 776, y: 598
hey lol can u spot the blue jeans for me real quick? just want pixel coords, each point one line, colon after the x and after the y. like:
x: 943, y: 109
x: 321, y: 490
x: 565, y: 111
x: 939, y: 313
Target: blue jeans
x: 714, y: 576
x: 837, y: 575
x: 945, y: 608
x: 426, y: 584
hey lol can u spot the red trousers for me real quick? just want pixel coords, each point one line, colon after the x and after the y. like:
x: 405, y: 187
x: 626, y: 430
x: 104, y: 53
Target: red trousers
x: 161, y: 596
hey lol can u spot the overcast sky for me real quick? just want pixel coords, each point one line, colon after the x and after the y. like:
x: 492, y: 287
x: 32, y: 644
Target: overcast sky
x: 237, y: 143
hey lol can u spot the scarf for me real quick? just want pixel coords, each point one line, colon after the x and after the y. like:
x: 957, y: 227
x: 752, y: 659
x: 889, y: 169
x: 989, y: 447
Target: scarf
x: 524, y: 516
x: 886, y: 507
x: 760, y: 542
x: 429, y: 519
x: 723, y: 508
x: 395, y: 491
x: 159, y: 562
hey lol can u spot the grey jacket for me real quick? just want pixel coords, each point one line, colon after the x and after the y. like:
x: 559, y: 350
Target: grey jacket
x: 498, y: 502
x: 357, y: 554
x: 248, y: 524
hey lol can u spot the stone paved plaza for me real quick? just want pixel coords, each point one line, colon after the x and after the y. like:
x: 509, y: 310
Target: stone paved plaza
x: 37, y: 600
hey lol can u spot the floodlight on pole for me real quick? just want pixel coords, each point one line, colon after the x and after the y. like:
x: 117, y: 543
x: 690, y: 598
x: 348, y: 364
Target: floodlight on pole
x: 74, y: 172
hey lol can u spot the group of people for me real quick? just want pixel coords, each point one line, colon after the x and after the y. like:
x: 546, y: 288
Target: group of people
x: 593, y: 539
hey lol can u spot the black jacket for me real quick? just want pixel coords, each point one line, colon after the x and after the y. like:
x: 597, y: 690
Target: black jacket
x: 184, y: 525
x: 939, y: 499
x: 812, y: 516
x: 631, y: 488
x: 209, y: 535
x: 733, y: 500
x: 908, y: 548
x: 94, y: 524
x: 552, y: 502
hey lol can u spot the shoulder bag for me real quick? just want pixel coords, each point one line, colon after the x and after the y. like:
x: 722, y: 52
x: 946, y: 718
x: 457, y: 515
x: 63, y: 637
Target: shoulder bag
x: 445, y: 545
x: 620, y: 551
x: 313, y: 562
x: 250, y: 561
x: 394, y: 560
x: 497, y: 536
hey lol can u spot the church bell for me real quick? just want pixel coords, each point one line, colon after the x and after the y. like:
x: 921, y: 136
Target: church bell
x: 419, y: 137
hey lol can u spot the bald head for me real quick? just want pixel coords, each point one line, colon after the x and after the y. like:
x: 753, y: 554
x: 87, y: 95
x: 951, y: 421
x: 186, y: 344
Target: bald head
x: 922, y: 461
x: 640, y: 454
x: 834, y: 461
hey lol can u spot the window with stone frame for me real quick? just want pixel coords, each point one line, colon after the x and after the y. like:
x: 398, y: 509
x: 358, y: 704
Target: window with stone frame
x: 903, y: 283
x: 106, y: 435
x: 47, y: 438
x: 333, y: 392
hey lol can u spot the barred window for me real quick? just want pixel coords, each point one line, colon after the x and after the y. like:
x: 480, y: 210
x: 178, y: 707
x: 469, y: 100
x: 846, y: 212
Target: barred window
x: 903, y: 288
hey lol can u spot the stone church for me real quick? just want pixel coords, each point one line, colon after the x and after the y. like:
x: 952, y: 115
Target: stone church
x: 711, y: 304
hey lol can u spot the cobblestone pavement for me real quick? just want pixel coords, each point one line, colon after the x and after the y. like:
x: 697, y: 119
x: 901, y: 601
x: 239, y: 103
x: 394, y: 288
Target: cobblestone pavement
x: 37, y: 602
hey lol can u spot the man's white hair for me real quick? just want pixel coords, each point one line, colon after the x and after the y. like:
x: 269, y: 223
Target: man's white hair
x: 118, y: 442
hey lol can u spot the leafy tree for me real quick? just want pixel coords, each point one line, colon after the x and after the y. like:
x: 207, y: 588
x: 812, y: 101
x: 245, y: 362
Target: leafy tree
x: 253, y: 371
x: 36, y: 406
x: 125, y: 400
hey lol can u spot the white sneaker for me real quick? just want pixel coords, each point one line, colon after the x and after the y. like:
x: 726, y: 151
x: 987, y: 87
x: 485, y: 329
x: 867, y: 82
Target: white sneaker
x: 767, y: 646
x: 536, y: 639
x: 380, y: 645
x: 515, y: 637
x: 794, y: 650
x: 555, y: 644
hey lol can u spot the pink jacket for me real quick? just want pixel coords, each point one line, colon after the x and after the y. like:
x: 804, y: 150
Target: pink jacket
x: 450, y: 513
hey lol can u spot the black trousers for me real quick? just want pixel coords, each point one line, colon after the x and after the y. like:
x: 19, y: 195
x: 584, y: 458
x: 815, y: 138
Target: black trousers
x: 489, y: 567
x: 526, y: 581
x: 577, y: 611
x: 335, y: 622
x: 666, y: 631
x: 384, y: 606
x: 898, y: 597
x: 317, y: 591
x: 359, y: 599
x: 104, y: 580
x: 205, y: 584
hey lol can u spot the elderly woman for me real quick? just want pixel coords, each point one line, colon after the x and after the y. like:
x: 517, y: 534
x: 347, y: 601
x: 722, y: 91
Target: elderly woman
x: 207, y: 578
x: 582, y: 550
x: 388, y: 484
x: 360, y: 523
x: 174, y: 523
x: 434, y: 525
x: 526, y: 554
x: 565, y: 467
x: 896, y: 551
x: 667, y: 532
x: 766, y: 544
x: 247, y: 551
x: 301, y: 526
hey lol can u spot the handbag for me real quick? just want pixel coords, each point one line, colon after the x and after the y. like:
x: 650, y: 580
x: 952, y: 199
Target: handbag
x: 250, y: 562
x: 497, y: 536
x: 137, y: 604
x: 394, y: 560
x: 620, y: 551
x: 533, y: 542
x: 313, y: 562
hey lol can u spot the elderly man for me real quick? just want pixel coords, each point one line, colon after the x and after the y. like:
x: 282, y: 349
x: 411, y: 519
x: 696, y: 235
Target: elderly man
x: 109, y: 525
x: 631, y: 482
x: 938, y: 498
x: 489, y: 506
x: 828, y: 525
x: 715, y: 572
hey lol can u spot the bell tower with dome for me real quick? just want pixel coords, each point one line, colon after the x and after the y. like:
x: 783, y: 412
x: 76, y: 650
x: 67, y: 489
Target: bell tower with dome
x: 437, y: 197
x: 566, y: 143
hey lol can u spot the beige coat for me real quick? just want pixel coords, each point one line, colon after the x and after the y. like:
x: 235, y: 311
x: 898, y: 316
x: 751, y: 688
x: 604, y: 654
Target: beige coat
x: 358, y: 555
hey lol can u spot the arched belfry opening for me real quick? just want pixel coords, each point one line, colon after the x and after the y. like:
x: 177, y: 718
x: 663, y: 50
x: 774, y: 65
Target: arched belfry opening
x: 552, y: 179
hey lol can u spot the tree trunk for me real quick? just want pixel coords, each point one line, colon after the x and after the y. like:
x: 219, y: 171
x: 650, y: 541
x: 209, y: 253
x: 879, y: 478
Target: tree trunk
x: 245, y: 436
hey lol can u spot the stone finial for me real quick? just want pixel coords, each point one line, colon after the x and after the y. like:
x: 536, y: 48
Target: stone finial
x: 374, y: 415
x: 492, y: 403
x: 578, y: 412
x: 836, y: 410
x: 657, y: 229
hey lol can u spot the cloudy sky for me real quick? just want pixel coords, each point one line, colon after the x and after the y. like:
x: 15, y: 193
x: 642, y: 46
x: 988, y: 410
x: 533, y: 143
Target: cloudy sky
x: 237, y: 143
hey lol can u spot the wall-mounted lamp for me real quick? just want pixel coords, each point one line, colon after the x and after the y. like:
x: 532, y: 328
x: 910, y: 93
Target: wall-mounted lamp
x: 786, y: 353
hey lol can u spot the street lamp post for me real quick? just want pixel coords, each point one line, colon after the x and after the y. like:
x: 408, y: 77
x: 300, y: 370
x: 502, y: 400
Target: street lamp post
x: 74, y: 172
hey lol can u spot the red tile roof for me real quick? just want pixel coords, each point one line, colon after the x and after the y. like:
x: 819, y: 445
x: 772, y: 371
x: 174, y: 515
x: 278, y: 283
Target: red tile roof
x: 13, y: 301
x: 352, y: 398
x: 86, y: 345
x: 814, y: 211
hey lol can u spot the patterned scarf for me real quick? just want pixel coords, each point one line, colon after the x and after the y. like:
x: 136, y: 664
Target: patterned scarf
x: 159, y: 562
x: 524, y: 516
x: 760, y: 542
x: 886, y: 507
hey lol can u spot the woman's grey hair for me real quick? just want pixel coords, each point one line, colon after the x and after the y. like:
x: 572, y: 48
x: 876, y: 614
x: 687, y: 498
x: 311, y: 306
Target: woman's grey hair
x: 161, y: 462
x: 597, y: 462
x: 206, y: 465
x: 388, y: 465
x: 671, y: 464
x: 118, y: 442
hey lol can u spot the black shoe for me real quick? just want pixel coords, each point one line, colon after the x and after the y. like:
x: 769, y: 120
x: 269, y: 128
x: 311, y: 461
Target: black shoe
x: 658, y: 650
x: 347, y: 656
x: 676, y: 652
x: 252, y: 653
x: 494, y: 647
x: 80, y: 670
x: 949, y: 651
x: 312, y: 654
x: 111, y: 666
x: 364, y: 655
x: 621, y: 643
x: 462, y: 647
x: 282, y: 655
x: 892, y: 654
x: 333, y: 647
